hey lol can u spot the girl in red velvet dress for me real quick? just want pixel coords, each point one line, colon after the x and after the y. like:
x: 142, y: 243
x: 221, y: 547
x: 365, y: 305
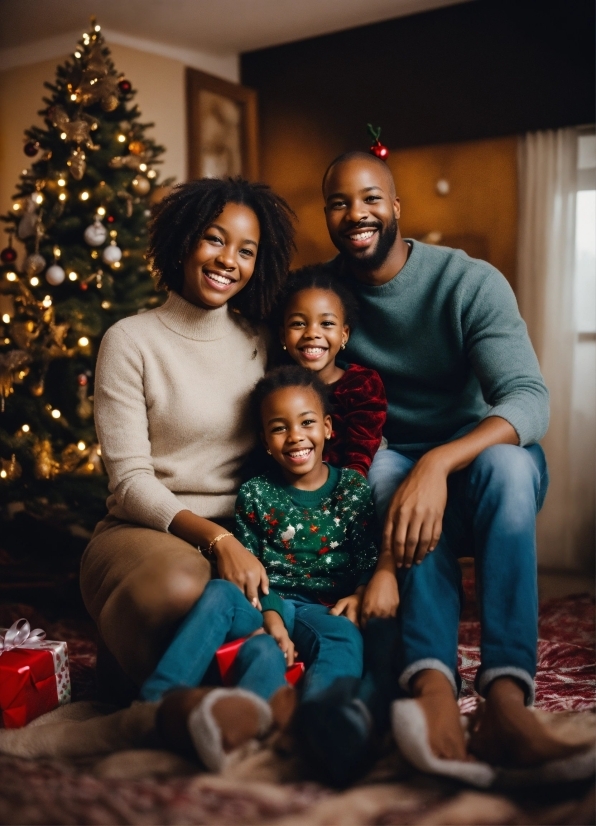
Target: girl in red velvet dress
x: 316, y: 315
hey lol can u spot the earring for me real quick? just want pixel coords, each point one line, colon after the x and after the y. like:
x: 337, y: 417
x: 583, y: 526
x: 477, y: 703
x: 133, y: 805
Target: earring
x: 343, y: 346
x: 268, y: 451
x: 283, y: 347
x: 327, y: 437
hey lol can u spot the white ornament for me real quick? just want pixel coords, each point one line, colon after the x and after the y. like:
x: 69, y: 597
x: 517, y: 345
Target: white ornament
x: 55, y: 275
x: 111, y: 254
x: 290, y: 533
x: 96, y: 233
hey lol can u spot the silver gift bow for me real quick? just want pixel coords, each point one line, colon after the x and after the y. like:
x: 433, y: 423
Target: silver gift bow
x: 20, y: 635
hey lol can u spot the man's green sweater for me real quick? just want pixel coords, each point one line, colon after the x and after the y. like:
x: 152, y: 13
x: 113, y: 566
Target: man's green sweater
x: 451, y: 347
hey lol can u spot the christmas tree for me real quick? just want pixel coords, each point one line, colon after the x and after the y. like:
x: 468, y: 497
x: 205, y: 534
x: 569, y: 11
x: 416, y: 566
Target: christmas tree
x: 81, y: 212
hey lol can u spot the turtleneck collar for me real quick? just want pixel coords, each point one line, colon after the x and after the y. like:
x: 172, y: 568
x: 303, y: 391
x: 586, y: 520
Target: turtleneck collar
x: 194, y: 322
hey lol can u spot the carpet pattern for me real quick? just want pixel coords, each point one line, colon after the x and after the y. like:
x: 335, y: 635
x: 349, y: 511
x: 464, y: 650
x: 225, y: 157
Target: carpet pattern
x: 151, y: 787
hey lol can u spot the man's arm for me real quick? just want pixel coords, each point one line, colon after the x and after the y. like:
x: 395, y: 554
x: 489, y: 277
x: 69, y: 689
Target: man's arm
x: 415, y: 516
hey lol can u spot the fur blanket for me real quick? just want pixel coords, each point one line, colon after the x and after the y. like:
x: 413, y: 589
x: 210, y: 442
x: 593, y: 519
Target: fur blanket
x: 90, y: 764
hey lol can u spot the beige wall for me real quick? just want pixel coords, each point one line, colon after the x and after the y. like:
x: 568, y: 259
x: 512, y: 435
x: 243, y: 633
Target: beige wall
x: 161, y: 99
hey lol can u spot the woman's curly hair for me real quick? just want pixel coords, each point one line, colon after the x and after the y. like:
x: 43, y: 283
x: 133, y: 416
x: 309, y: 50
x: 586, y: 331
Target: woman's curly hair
x: 179, y: 221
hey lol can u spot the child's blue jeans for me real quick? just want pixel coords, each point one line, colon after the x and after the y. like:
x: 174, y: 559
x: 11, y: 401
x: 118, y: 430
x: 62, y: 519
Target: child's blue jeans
x: 329, y: 646
x: 490, y: 515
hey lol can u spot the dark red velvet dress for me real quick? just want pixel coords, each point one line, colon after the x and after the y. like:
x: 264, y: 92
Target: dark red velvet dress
x: 359, y: 413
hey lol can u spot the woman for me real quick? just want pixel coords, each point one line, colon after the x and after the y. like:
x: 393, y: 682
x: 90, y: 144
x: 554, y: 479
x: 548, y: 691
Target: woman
x: 171, y: 404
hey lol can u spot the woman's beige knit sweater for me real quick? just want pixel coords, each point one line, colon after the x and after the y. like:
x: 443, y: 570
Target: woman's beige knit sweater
x: 171, y: 410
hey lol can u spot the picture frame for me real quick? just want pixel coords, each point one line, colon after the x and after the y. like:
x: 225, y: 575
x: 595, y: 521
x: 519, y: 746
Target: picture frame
x: 222, y: 128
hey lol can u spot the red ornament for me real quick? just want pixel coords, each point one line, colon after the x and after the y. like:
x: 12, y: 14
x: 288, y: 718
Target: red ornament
x: 84, y: 285
x: 125, y: 86
x: 8, y: 255
x: 377, y: 148
x: 110, y: 219
x: 31, y: 149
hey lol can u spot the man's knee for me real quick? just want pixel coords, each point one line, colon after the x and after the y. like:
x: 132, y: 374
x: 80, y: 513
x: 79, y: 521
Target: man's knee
x: 507, y: 469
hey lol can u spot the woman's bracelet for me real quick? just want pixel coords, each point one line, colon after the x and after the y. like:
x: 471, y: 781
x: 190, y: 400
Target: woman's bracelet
x: 210, y: 548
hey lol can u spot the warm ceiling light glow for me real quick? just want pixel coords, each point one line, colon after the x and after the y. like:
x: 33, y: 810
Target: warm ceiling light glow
x: 83, y: 341
x: 6, y: 318
x: 34, y: 281
x: 56, y: 413
x: 25, y: 428
x: 72, y: 276
x: 84, y: 196
x: 81, y: 445
x: 11, y: 276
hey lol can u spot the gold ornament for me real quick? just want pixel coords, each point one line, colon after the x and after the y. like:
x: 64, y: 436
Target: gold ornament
x: 126, y: 196
x: 140, y: 185
x: 97, y: 83
x: 130, y: 161
x: 71, y: 457
x: 75, y: 131
x: 46, y: 467
x: 11, y: 364
x: 77, y: 163
x: 136, y: 147
x: 10, y: 469
x: 93, y: 466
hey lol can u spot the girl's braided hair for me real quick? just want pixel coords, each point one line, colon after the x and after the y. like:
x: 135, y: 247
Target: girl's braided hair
x: 179, y: 221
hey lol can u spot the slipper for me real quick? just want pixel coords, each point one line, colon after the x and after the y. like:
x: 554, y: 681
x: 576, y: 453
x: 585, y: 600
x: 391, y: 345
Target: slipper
x: 411, y: 735
x: 205, y: 732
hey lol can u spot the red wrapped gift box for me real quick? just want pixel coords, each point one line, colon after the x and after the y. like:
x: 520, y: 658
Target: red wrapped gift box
x: 227, y: 653
x: 34, y: 674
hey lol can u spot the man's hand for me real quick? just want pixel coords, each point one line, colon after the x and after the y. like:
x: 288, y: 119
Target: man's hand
x: 381, y: 597
x: 415, y: 516
x: 349, y: 606
x: 239, y: 566
x: 275, y: 627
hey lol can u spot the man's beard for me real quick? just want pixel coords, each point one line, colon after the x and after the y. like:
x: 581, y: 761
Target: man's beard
x: 385, y: 242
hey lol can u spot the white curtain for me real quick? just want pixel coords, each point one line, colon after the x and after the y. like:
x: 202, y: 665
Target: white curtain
x: 546, y: 252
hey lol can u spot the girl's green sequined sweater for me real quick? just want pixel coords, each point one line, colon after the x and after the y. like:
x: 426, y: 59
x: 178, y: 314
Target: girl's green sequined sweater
x: 318, y: 544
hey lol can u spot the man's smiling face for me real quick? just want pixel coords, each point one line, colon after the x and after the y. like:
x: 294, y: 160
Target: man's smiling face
x: 361, y: 210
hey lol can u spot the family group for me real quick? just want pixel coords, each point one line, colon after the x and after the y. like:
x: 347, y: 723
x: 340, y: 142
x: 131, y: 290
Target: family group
x: 298, y: 460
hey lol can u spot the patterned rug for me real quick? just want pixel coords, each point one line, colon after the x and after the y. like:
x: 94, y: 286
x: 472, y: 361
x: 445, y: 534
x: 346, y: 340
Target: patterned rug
x: 149, y: 787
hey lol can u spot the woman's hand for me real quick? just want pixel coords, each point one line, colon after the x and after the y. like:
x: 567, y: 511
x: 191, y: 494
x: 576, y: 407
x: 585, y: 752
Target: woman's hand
x: 381, y: 597
x: 349, y: 607
x: 239, y: 566
x: 415, y: 516
x: 275, y: 627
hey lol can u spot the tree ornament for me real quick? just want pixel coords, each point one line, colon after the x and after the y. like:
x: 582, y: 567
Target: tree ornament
x: 74, y: 131
x: 97, y: 82
x: 8, y: 254
x: 11, y: 364
x: 29, y: 220
x: 31, y: 149
x: 96, y: 233
x: 34, y: 264
x: 125, y: 86
x: 377, y: 149
x: 10, y: 469
x: 136, y: 147
x: 111, y: 254
x: 85, y: 406
x: 55, y: 275
x: 46, y: 467
x: 140, y: 185
x: 77, y: 164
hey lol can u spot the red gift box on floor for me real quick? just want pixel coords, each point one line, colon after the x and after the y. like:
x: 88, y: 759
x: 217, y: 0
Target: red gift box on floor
x: 227, y: 653
x: 34, y: 674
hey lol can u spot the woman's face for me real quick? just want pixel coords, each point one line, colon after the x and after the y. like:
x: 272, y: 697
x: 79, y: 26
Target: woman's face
x: 224, y: 259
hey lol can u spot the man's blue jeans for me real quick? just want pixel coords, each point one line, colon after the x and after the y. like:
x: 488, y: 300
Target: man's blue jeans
x: 490, y: 515
x: 330, y: 647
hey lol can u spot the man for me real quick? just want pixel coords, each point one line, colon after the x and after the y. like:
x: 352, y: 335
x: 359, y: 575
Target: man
x: 463, y: 474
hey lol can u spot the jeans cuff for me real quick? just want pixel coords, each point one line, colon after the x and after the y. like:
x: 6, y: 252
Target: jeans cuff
x: 487, y: 677
x: 422, y: 665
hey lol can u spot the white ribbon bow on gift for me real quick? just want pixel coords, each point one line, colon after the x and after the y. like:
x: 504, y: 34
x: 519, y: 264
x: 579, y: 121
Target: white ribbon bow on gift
x: 20, y: 635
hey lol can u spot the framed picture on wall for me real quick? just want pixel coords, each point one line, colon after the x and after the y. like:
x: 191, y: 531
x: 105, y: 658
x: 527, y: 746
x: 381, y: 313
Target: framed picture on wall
x: 222, y: 127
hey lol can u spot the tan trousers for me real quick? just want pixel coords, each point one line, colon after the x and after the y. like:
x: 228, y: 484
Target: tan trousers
x: 137, y: 584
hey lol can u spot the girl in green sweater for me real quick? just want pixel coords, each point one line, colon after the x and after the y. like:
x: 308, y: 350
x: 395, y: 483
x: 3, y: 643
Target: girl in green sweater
x: 312, y: 526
